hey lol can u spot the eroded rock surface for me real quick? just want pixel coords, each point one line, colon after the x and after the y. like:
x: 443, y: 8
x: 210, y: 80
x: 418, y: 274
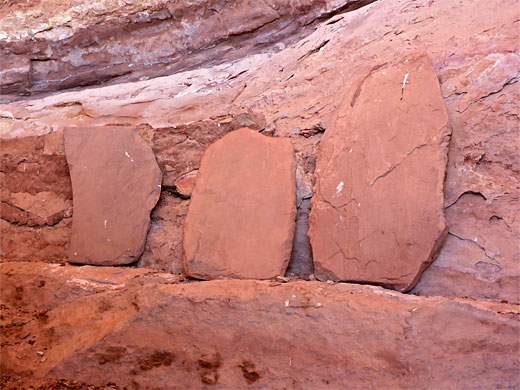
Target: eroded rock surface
x: 240, y: 222
x: 378, y: 211
x: 65, y: 44
x: 36, y: 198
x: 293, y: 94
x: 251, y: 68
x: 163, y: 250
x: 115, y: 183
x: 138, y: 330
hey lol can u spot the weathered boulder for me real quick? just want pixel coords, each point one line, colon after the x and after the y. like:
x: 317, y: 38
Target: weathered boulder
x: 115, y: 183
x: 378, y: 212
x: 138, y: 330
x: 241, y: 218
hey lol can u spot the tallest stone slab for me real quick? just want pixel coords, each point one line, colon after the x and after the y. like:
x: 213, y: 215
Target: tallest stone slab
x: 378, y: 211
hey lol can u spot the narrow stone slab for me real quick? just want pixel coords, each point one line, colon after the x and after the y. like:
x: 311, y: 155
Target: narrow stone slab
x: 115, y: 184
x: 240, y: 222
x: 378, y: 214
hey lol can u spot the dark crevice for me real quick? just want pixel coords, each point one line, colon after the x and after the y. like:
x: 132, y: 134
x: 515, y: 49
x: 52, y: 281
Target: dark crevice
x: 334, y: 21
x: 301, y: 263
x: 348, y: 7
x: 466, y: 193
x: 314, y: 50
x: 484, y: 251
x: 172, y: 190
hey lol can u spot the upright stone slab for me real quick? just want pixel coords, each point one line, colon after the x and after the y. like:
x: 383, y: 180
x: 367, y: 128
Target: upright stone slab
x: 378, y: 213
x: 240, y: 222
x: 115, y: 184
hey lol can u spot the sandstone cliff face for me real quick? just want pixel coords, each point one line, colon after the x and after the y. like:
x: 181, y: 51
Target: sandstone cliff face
x: 185, y: 75
x: 292, y: 94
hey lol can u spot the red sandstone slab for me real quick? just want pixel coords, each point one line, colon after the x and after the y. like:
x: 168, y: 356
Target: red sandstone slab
x: 378, y: 214
x: 240, y: 222
x: 115, y: 183
x: 140, y: 330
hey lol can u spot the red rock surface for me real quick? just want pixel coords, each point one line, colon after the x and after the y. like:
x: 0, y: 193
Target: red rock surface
x: 184, y: 184
x: 163, y: 250
x: 62, y: 44
x: 240, y: 221
x: 36, y: 198
x: 17, y: 382
x: 115, y: 184
x: 140, y: 330
x: 293, y: 94
x: 377, y: 215
x: 282, y: 73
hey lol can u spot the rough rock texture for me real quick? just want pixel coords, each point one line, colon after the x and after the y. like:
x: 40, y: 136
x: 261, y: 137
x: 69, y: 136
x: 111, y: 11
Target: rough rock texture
x: 163, y: 248
x: 377, y: 215
x: 481, y: 255
x: 184, y: 184
x: 22, y: 283
x: 17, y: 382
x: 474, y: 49
x: 36, y: 198
x: 282, y: 73
x: 116, y: 182
x: 64, y: 44
x: 240, y: 221
x: 138, y: 330
x: 485, y: 250
x: 301, y: 263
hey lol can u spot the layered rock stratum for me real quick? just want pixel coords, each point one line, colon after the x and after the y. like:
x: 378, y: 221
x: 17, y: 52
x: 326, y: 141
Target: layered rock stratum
x: 185, y: 75
x: 250, y: 334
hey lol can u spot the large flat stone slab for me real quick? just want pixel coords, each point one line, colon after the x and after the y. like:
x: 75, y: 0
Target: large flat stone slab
x: 115, y: 184
x: 241, y: 218
x: 378, y: 214
x: 140, y: 331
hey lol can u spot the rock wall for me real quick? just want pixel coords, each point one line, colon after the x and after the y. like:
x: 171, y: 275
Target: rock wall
x: 281, y: 69
x: 36, y: 204
x: 181, y: 114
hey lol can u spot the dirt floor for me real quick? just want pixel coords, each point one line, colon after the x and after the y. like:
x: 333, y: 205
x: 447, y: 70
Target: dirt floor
x: 15, y: 382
